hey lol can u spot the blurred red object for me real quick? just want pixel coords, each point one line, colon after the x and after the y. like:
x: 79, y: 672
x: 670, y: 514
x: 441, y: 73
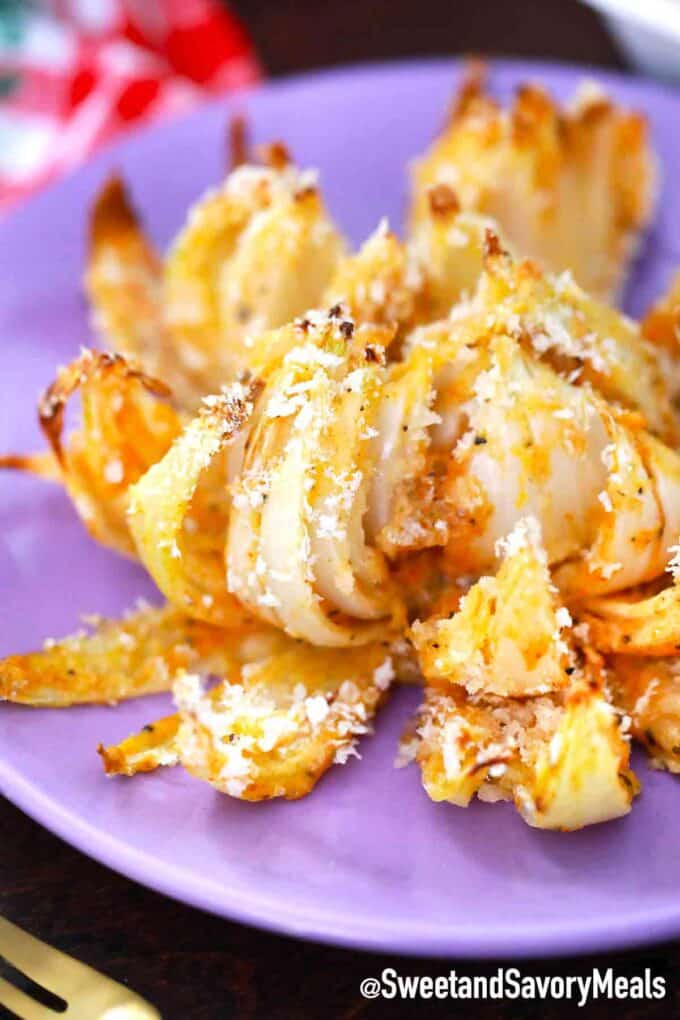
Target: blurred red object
x: 73, y: 73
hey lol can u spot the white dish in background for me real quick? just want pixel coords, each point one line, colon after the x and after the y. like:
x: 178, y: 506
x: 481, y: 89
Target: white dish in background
x: 648, y: 32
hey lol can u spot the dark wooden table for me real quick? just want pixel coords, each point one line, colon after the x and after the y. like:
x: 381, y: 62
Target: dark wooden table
x: 195, y: 967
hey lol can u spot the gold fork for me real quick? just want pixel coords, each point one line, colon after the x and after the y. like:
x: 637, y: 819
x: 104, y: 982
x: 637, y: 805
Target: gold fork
x: 59, y: 986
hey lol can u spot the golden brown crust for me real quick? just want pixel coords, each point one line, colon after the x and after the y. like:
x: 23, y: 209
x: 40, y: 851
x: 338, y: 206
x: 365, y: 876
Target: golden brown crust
x: 238, y: 141
x: 661, y: 324
x: 443, y: 200
x: 472, y: 89
x: 113, y: 215
x: 90, y: 366
x: 275, y: 155
x: 44, y: 464
x: 153, y: 746
x: 120, y: 659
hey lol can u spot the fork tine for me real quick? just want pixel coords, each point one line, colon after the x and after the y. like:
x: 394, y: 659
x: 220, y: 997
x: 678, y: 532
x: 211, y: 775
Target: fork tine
x: 27, y: 953
x: 88, y: 993
x: 21, y: 1004
x: 51, y: 968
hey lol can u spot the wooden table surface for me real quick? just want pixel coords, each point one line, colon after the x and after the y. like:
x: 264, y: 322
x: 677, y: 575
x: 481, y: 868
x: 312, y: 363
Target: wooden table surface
x: 196, y: 967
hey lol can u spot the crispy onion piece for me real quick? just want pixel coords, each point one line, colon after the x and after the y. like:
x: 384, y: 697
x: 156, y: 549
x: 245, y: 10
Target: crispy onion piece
x: 297, y: 551
x: 517, y: 431
x: 123, y: 281
x: 661, y: 325
x: 532, y: 446
x: 661, y: 328
x: 123, y: 276
x: 269, y: 349
x: 605, y: 492
x: 563, y: 758
x: 272, y: 728
x: 449, y: 245
x: 178, y: 510
x: 348, y: 573
x: 582, y: 339
x: 583, y: 776
x: 402, y: 425
x: 153, y: 747
x: 486, y: 645
x: 120, y: 659
x: 253, y: 255
x: 648, y: 690
x: 156, y: 744
x: 423, y: 415
x: 382, y: 283
x: 571, y: 187
x: 127, y: 425
x: 638, y: 516
x: 43, y: 464
x: 634, y: 623
x: 527, y: 442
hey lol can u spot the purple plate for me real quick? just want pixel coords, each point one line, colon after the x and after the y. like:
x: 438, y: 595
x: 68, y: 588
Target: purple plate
x: 367, y: 860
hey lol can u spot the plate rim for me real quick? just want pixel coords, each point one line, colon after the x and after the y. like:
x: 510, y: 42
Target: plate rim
x: 540, y: 940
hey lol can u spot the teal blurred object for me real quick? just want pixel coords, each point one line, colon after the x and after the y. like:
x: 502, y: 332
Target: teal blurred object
x: 12, y: 21
x: 12, y: 31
